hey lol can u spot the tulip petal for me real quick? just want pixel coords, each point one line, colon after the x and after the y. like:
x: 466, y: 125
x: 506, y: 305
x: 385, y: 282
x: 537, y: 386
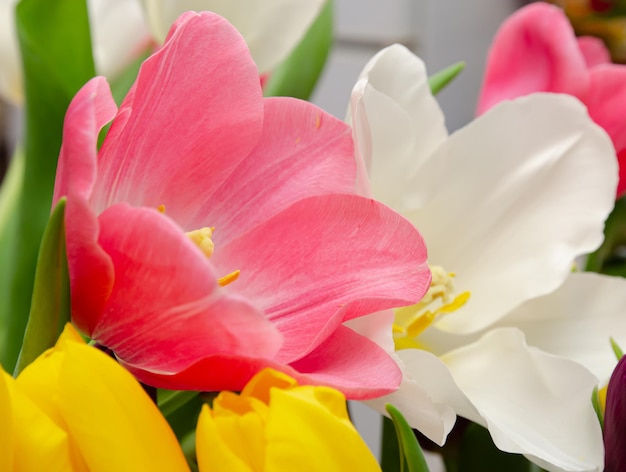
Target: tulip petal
x: 303, y: 427
x: 533, y: 403
x: 212, y: 450
x: 300, y: 143
x: 511, y: 232
x: 310, y: 289
x: 194, y: 100
x: 397, y: 122
x: 113, y: 421
x: 605, y: 99
x: 614, y: 420
x: 6, y: 424
x: 192, y: 317
x: 535, y: 50
x: 370, y: 374
x: 593, y: 50
x: 271, y: 28
x: 426, y: 411
x: 577, y: 320
x: 92, y: 277
x: 36, y: 441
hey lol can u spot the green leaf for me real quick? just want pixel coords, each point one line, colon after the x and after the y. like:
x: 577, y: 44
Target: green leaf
x: 299, y: 73
x: 9, y: 206
x: 617, y: 350
x: 610, y: 257
x: 170, y: 401
x: 50, y: 307
x: 57, y: 60
x: 442, y: 78
x: 391, y: 460
x: 410, y: 450
x: 478, y: 453
x: 595, y: 401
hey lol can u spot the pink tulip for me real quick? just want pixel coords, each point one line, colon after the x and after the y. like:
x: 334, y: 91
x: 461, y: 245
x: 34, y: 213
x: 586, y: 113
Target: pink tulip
x: 195, y: 145
x: 535, y: 50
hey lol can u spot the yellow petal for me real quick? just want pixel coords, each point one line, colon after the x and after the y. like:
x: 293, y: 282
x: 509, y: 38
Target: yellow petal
x: 6, y: 424
x: 38, y: 442
x: 308, y: 429
x: 114, y: 423
x: 213, y: 453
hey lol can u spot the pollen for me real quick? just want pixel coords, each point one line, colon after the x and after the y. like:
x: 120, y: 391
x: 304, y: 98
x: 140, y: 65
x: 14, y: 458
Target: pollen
x: 440, y: 299
x: 203, y: 239
x: 161, y: 208
x: 227, y: 279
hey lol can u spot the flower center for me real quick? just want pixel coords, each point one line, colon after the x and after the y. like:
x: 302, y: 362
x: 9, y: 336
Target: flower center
x: 203, y: 238
x: 440, y: 299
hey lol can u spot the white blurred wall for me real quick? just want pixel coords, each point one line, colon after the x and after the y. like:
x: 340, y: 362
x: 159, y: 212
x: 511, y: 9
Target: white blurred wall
x: 441, y: 32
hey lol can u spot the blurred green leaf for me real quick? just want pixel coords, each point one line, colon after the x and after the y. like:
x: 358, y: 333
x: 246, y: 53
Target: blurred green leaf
x: 299, y: 73
x: 595, y: 401
x: 50, y: 306
x: 9, y: 205
x: 610, y: 257
x: 442, y: 78
x: 57, y: 60
x: 410, y: 450
x: 478, y: 453
x: 617, y: 350
x: 171, y: 400
x: 390, y: 460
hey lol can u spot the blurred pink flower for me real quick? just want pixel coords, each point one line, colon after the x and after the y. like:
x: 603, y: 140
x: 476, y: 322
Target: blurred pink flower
x: 286, y: 251
x: 536, y: 50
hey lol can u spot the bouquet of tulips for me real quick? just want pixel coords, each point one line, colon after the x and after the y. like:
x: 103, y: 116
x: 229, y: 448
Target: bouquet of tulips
x: 199, y: 267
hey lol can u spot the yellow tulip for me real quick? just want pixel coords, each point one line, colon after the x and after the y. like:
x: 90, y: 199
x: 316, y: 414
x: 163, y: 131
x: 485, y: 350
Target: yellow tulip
x: 276, y: 425
x: 74, y: 408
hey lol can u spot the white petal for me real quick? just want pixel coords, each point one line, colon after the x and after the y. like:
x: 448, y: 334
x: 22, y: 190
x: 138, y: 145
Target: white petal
x: 397, y: 122
x: 376, y: 327
x: 10, y: 68
x: 577, y: 320
x: 510, y: 200
x: 271, y: 28
x: 119, y: 34
x: 533, y: 403
x: 425, y: 394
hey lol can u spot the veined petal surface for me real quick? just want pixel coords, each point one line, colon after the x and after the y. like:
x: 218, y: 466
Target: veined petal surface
x: 535, y: 50
x: 533, y: 403
x: 577, y: 320
x: 275, y: 181
x: 536, y: 203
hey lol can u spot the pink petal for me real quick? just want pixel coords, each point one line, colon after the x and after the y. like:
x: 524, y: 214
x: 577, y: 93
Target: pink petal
x: 371, y: 373
x: 195, y: 112
x: 594, y: 51
x: 91, y: 272
x: 535, y: 50
x: 166, y: 310
x: 323, y: 261
x: 351, y: 363
x: 89, y: 111
x: 303, y: 152
x: 606, y: 101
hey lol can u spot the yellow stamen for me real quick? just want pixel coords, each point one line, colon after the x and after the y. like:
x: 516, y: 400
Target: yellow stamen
x: 413, y: 320
x: 227, y: 279
x: 161, y: 208
x: 202, y: 238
